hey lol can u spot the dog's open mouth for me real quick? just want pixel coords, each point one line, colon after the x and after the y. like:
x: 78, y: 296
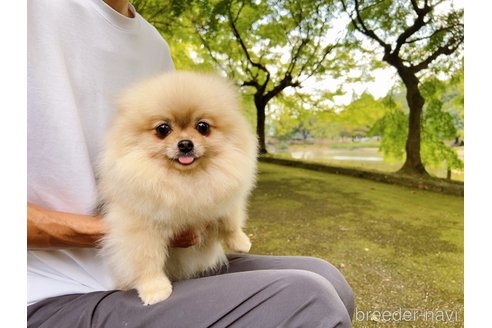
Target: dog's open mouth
x: 186, y: 159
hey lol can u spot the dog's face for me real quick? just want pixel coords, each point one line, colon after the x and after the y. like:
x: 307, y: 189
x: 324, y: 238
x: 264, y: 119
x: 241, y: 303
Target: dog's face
x: 183, y: 122
x: 186, y: 138
x: 182, y: 146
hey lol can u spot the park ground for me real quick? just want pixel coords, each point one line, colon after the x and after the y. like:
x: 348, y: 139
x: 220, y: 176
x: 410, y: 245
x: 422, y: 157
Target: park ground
x: 400, y: 249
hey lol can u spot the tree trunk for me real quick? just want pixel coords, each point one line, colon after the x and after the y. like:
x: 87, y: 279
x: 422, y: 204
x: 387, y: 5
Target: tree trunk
x: 413, y: 164
x: 260, y: 122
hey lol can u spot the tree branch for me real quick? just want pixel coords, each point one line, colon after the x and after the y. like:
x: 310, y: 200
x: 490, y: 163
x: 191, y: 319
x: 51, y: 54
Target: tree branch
x: 447, y: 28
x: 286, y: 82
x: 444, y: 50
x: 415, y: 27
x: 207, y: 47
x: 327, y: 51
x: 360, y: 26
x: 243, y: 46
x: 415, y: 5
x: 251, y: 83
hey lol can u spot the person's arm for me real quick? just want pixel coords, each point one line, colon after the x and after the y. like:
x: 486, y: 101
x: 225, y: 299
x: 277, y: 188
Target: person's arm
x: 51, y: 229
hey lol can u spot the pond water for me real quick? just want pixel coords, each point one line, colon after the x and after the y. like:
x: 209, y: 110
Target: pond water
x: 363, y: 158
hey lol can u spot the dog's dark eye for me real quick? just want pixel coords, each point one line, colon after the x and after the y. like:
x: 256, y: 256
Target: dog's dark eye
x: 163, y: 130
x: 203, y: 128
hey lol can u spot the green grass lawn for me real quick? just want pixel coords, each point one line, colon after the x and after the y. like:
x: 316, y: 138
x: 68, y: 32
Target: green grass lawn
x: 400, y: 249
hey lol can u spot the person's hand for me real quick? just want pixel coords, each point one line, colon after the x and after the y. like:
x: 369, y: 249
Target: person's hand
x: 52, y: 229
x: 188, y: 238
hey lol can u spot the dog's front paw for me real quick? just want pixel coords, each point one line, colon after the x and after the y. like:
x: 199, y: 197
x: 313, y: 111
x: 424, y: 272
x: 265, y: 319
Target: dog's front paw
x: 239, y: 242
x: 154, y: 290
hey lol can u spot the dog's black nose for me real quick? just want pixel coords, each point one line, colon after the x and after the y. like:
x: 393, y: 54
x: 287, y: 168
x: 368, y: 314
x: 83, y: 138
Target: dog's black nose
x: 185, y: 146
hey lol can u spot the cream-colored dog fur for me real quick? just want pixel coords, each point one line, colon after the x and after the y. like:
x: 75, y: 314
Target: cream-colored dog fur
x: 149, y: 196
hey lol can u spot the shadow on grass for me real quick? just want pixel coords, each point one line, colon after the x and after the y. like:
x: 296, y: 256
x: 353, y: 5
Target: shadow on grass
x: 425, y: 183
x: 399, y: 248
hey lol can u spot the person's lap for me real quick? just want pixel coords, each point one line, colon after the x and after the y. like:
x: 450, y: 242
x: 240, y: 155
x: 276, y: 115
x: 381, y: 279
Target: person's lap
x: 252, y: 291
x: 240, y: 262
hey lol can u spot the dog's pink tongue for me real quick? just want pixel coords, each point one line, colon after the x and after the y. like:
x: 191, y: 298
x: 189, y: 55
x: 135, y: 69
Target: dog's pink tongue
x: 186, y: 160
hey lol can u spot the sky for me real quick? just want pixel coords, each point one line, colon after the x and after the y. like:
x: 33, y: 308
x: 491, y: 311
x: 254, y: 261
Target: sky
x: 384, y: 79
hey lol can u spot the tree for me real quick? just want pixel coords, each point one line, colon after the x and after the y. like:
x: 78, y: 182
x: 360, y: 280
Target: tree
x: 415, y: 38
x: 438, y: 125
x: 267, y: 46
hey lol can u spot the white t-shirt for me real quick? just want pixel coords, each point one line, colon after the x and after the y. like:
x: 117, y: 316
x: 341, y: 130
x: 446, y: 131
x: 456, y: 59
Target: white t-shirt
x: 81, y: 54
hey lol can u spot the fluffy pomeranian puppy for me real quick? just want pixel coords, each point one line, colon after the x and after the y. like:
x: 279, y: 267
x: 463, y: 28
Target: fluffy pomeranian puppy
x: 179, y: 157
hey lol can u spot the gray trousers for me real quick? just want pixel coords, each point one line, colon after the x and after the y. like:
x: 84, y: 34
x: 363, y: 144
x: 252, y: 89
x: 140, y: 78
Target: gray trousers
x: 253, y: 291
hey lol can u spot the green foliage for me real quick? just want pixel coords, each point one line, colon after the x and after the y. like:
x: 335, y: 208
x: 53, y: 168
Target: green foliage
x: 248, y: 107
x: 262, y: 41
x: 303, y: 116
x: 169, y: 19
x: 359, y: 116
x: 393, y: 130
x: 454, y: 100
x: 286, y: 124
x: 438, y: 126
x: 294, y: 118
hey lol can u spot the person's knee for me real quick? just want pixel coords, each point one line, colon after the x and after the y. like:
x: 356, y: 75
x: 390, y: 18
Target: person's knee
x: 334, y: 276
x: 313, y: 301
